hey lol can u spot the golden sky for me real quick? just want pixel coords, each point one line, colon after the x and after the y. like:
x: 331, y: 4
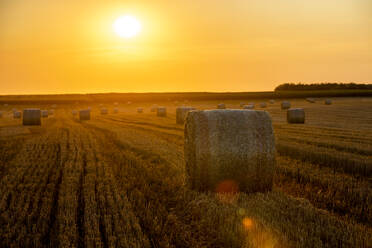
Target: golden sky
x: 54, y: 46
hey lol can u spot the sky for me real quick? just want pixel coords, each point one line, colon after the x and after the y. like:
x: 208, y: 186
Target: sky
x: 53, y: 46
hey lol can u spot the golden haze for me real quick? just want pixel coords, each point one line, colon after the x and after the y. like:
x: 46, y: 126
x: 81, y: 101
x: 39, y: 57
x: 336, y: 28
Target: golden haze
x: 69, y: 46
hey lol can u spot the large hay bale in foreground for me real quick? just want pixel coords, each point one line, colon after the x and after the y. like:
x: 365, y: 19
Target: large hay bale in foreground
x: 235, y: 146
x: 104, y: 111
x: 263, y: 105
x: 286, y: 105
x: 84, y: 115
x: 31, y: 117
x: 248, y: 106
x: 221, y: 106
x: 139, y: 110
x: 161, y: 112
x: 181, y: 113
x: 296, y: 115
x: 328, y: 102
x: 17, y: 114
x: 44, y: 113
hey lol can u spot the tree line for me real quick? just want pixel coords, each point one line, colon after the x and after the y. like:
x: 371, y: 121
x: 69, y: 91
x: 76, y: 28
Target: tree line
x: 323, y: 86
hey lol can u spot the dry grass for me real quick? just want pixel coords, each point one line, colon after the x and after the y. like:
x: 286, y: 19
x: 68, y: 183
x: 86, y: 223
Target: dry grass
x: 119, y: 181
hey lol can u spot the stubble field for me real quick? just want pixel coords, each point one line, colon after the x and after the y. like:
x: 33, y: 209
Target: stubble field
x: 118, y: 180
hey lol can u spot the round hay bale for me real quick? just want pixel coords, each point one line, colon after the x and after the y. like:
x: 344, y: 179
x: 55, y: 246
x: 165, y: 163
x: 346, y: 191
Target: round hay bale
x: 84, y: 114
x: 310, y: 100
x: 139, y: 110
x: 74, y: 112
x: 221, y: 106
x: 272, y: 101
x: 6, y: 105
x: 31, y: 117
x: 263, y: 105
x: 116, y: 104
x: 51, y: 112
x: 116, y: 110
x: 286, y: 105
x: 328, y: 102
x: 248, y: 106
x: 44, y: 113
x: 296, y: 115
x: 242, y: 104
x: 104, y: 111
x: 153, y: 108
x: 161, y: 111
x: 181, y: 113
x: 17, y: 114
x: 229, y: 145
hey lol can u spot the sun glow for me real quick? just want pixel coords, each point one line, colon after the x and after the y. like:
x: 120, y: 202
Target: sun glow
x: 127, y: 26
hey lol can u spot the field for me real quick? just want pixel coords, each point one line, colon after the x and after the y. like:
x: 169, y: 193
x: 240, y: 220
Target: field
x: 118, y: 180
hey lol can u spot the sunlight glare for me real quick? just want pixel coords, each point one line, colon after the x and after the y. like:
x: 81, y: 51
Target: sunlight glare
x: 127, y: 26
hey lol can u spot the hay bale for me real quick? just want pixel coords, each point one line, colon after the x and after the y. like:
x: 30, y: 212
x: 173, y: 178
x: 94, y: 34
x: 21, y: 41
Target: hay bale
x: 116, y: 110
x: 84, y: 114
x: 286, y: 105
x: 31, y: 117
x: 234, y: 146
x: 44, y: 113
x: 310, y: 100
x: 263, y: 105
x: 296, y: 115
x: 17, y: 114
x: 328, y: 102
x: 161, y: 111
x: 104, y: 111
x: 74, y: 112
x: 6, y: 105
x: 116, y: 104
x: 181, y: 113
x: 249, y: 106
x: 140, y: 110
x: 242, y: 104
x: 153, y: 108
x: 54, y: 106
x: 221, y: 106
x: 272, y: 101
x: 51, y: 112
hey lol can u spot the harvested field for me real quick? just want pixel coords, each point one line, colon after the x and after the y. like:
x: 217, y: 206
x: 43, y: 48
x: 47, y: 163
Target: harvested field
x: 119, y: 181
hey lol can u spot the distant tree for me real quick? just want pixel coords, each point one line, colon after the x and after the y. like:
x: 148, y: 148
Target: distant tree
x: 322, y: 86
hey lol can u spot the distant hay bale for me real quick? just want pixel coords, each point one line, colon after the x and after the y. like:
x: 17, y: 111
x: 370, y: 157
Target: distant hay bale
x: 129, y: 103
x: 310, y: 100
x: 328, y: 102
x: 51, y: 112
x: 242, y: 104
x: 116, y: 103
x: 84, y: 114
x: 74, y: 112
x: 6, y: 105
x: 263, y: 105
x: 44, y: 113
x: 54, y: 105
x: 140, y: 110
x: 153, y: 108
x: 286, y: 105
x: 181, y: 113
x: 221, y: 106
x: 296, y: 115
x: 104, y: 111
x: 17, y: 114
x: 272, y: 101
x: 116, y: 110
x: 161, y: 112
x: 248, y: 106
x: 229, y: 146
x: 31, y: 117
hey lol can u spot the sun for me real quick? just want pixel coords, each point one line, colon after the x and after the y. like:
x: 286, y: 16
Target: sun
x: 127, y: 26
